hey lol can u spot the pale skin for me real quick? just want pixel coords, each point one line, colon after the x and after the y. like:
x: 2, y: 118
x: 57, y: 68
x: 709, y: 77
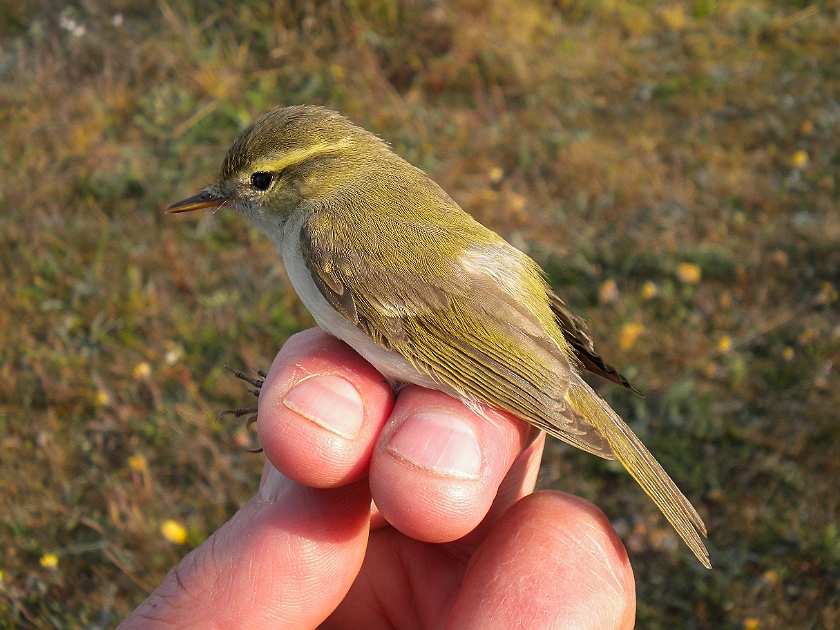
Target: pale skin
x: 310, y: 548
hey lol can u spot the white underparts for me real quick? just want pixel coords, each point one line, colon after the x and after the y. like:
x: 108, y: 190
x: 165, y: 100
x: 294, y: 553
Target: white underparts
x: 393, y: 366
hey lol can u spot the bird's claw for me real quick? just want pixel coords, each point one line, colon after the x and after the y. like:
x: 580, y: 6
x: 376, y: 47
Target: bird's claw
x: 238, y: 412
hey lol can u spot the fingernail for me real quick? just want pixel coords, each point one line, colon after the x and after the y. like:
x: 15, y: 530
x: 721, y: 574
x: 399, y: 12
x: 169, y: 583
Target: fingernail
x: 440, y: 443
x: 274, y: 486
x: 329, y: 401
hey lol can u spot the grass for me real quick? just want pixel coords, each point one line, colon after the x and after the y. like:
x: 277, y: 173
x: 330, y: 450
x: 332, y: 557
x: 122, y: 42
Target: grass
x: 675, y: 166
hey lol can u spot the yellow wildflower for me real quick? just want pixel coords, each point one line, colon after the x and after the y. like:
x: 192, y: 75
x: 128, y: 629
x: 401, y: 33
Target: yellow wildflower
x: 629, y: 334
x: 689, y: 273
x: 142, y: 370
x: 174, y: 532
x: 49, y: 561
x: 138, y: 463
x: 799, y: 159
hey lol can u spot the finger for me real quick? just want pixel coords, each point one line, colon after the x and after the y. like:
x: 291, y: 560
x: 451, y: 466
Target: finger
x: 518, y: 483
x: 321, y: 409
x: 406, y: 583
x: 403, y: 583
x: 438, y: 465
x: 286, y: 559
x: 553, y: 561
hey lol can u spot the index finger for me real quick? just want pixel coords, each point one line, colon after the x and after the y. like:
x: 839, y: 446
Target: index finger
x: 321, y: 409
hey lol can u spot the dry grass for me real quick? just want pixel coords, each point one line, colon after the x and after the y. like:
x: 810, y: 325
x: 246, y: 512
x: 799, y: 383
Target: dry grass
x: 673, y: 165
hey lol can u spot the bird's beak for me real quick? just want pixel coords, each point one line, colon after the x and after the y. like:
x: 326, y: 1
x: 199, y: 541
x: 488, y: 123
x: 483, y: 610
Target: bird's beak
x: 204, y: 199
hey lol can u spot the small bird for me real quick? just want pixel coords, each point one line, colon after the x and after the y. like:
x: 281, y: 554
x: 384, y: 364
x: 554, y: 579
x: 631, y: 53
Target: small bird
x: 386, y: 261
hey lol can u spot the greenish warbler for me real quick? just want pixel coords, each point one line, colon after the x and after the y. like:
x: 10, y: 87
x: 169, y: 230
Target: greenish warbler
x: 385, y: 260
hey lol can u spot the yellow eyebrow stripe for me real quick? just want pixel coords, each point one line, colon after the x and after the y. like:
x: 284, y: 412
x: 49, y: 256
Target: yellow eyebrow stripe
x: 280, y: 161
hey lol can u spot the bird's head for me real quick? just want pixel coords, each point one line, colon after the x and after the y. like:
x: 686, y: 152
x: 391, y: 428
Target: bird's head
x: 288, y: 157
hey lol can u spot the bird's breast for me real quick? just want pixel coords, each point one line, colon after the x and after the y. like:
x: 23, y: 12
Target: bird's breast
x: 392, y: 365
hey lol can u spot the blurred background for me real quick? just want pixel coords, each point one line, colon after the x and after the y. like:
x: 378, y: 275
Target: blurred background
x: 674, y: 166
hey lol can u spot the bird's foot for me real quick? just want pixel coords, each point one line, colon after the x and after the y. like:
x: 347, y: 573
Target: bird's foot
x: 238, y: 412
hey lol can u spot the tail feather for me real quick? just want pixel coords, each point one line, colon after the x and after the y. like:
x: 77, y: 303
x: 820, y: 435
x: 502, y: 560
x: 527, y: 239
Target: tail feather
x: 641, y: 465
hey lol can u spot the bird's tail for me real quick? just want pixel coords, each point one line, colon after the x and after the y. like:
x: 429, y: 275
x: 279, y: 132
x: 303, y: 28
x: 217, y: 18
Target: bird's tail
x: 641, y: 465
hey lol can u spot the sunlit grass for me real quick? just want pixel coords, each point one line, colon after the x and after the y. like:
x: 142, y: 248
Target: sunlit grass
x: 673, y: 165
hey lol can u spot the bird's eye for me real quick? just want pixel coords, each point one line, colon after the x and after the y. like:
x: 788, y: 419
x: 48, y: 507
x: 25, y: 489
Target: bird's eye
x: 261, y: 181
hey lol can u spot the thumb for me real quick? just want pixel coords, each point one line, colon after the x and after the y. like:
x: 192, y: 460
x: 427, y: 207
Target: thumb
x: 286, y: 559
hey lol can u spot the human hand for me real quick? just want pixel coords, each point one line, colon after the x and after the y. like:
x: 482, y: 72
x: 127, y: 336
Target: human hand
x: 453, y: 538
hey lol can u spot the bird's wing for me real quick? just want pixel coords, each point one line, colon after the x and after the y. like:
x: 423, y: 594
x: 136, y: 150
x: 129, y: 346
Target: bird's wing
x: 460, y: 324
x: 575, y: 331
x: 454, y: 323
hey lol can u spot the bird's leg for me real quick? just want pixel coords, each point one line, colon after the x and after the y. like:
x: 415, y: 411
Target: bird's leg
x: 238, y: 412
